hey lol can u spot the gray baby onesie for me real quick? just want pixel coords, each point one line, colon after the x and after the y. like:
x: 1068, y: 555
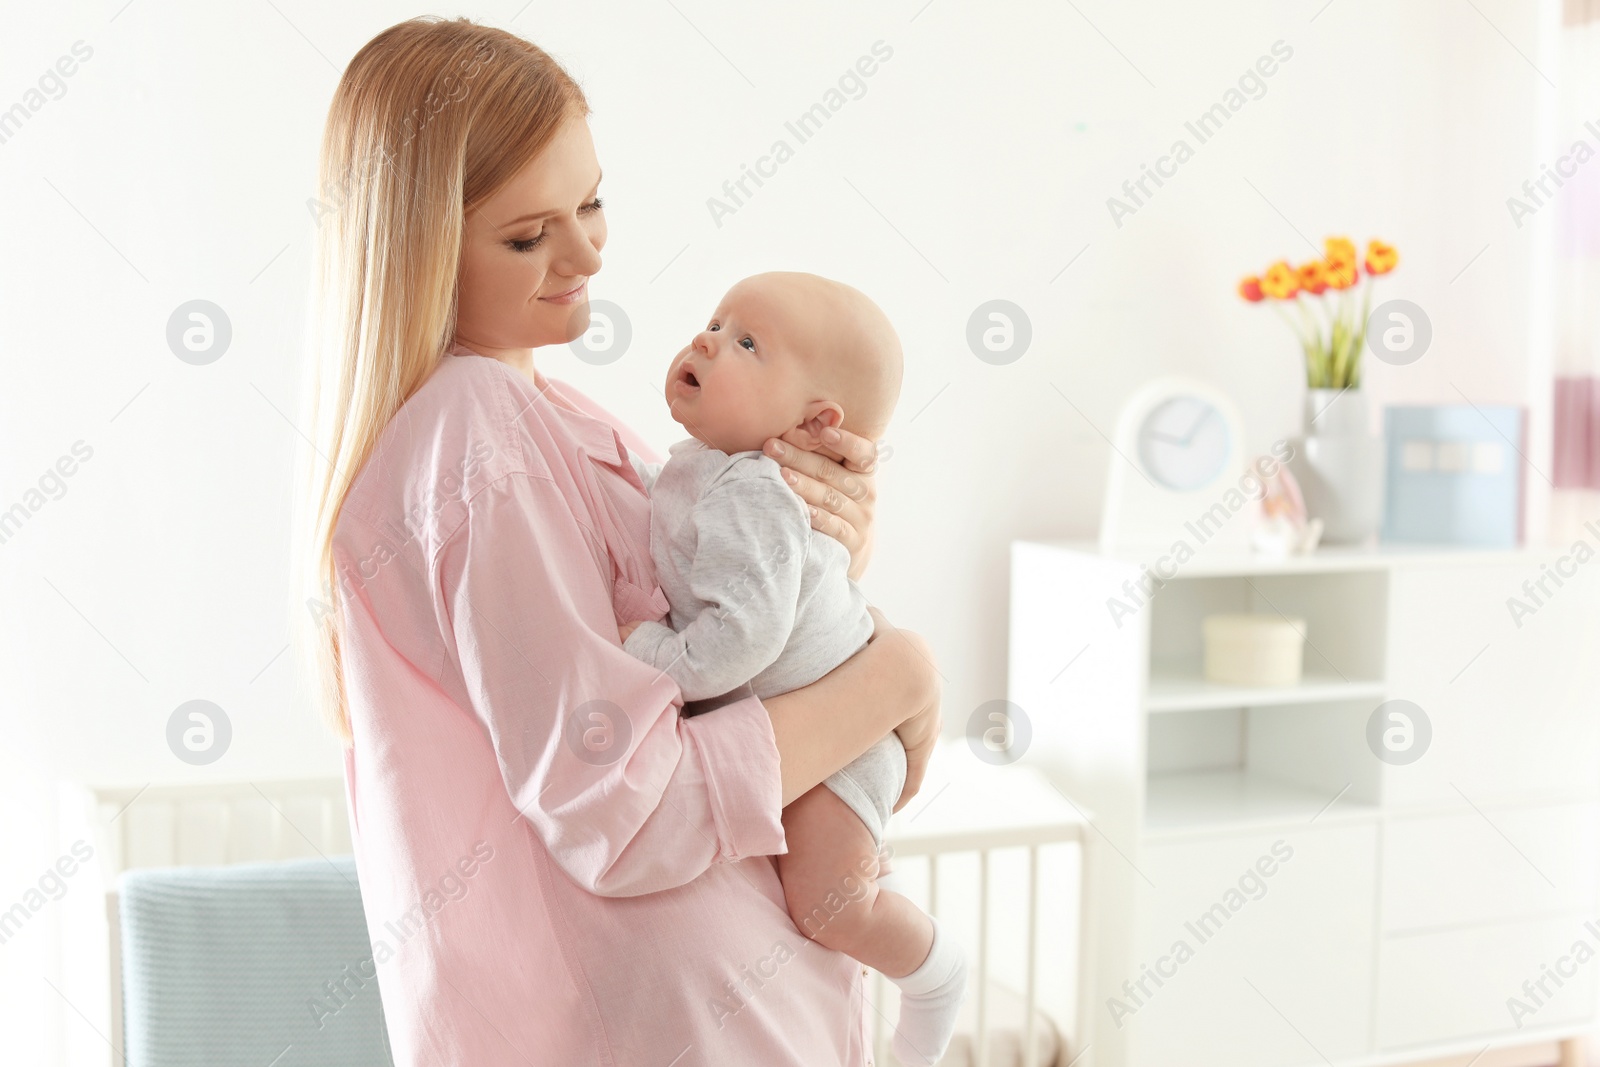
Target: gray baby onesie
x: 760, y: 601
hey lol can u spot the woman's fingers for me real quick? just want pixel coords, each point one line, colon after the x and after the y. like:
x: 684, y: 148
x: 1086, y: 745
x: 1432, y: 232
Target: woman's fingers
x: 917, y: 759
x: 858, y: 453
x: 824, y: 472
x: 920, y: 733
x: 916, y: 770
x: 827, y: 487
x: 880, y: 623
x: 840, y: 500
x: 824, y: 495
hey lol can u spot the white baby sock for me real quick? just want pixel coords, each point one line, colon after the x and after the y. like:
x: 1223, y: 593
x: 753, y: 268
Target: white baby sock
x: 930, y: 998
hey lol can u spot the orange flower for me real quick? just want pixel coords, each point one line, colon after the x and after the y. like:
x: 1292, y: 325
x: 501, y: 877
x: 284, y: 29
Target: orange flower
x: 1312, y: 277
x: 1342, y: 273
x: 1280, y: 282
x: 1381, y: 258
x: 1250, y: 289
x: 1339, y: 248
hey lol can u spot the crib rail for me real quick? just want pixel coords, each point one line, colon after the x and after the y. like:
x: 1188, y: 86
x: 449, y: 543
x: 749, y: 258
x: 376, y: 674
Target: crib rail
x: 934, y: 845
x: 978, y: 811
x: 181, y: 826
x: 981, y: 810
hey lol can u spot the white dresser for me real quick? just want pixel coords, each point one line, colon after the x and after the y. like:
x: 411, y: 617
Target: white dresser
x: 1266, y: 890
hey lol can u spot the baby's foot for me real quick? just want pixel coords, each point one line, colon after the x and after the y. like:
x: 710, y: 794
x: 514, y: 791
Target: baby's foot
x: 930, y: 998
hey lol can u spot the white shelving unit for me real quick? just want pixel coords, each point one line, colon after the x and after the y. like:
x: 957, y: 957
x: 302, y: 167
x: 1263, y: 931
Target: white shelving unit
x: 1189, y: 692
x: 1267, y: 891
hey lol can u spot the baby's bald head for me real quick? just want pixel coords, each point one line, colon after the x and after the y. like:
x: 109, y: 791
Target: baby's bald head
x: 850, y: 350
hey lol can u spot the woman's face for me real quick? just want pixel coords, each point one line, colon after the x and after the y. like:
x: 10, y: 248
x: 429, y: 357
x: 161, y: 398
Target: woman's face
x: 530, y: 249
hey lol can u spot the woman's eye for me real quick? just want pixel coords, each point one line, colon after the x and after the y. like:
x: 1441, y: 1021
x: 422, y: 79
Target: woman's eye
x: 531, y: 243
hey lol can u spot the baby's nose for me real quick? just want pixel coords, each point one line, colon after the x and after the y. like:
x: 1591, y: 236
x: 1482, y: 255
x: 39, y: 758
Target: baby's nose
x: 706, y: 342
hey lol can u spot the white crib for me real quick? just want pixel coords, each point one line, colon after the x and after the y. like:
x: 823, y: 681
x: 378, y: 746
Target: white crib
x: 173, y: 826
x: 990, y: 818
x: 1017, y: 908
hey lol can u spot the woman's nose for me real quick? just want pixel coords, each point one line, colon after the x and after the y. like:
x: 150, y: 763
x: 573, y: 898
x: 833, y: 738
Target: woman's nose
x: 582, y: 258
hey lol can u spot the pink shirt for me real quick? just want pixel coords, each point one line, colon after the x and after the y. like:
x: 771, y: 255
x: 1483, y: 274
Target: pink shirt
x: 557, y: 868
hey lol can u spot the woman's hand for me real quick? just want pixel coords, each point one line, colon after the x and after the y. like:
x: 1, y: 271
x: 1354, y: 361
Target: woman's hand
x: 920, y: 733
x: 836, y: 480
x: 880, y: 623
x: 891, y: 684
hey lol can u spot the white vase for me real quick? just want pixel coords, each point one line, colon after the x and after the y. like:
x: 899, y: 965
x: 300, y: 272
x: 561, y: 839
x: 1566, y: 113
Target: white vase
x: 1339, y: 463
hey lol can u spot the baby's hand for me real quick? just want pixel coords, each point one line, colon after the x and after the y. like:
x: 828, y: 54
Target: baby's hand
x: 625, y: 629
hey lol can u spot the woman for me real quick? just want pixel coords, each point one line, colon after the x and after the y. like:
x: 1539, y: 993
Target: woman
x: 557, y: 867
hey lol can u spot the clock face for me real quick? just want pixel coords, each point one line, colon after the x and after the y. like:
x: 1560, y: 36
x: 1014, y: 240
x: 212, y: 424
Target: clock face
x: 1183, y: 443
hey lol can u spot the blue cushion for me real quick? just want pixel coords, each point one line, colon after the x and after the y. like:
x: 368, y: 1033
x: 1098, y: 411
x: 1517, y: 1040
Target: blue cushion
x: 261, y: 963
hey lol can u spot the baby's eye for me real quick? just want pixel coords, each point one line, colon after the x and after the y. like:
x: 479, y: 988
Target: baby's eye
x: 749, y: 344
x: 713, y: 328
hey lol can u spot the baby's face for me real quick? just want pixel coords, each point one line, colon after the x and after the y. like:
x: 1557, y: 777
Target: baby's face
x: 749, y: 374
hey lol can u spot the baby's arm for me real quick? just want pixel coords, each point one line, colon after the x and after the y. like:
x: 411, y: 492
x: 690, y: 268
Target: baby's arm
x: 750, y: 547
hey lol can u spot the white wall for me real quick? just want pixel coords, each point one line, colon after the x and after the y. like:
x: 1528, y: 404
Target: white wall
x: 976, y: 165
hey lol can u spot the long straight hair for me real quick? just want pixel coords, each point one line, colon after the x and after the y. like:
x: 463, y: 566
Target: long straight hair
x: 431, y: 117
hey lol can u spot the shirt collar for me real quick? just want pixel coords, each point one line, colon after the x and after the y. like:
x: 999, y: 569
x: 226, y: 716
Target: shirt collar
x: 594, y: 437
x: 599, y: 439
x: 688, y: 444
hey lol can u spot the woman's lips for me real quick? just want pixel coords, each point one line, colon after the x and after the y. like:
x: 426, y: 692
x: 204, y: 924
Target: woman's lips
x: 571, y: 296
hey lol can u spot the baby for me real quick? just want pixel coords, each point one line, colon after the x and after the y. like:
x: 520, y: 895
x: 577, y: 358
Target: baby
x: 761, y: 601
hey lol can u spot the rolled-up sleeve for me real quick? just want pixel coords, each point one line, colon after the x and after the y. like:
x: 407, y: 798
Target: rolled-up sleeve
x: 627, y: 795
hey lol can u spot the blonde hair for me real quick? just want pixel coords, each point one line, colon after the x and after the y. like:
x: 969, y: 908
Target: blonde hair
x: 431, y: 117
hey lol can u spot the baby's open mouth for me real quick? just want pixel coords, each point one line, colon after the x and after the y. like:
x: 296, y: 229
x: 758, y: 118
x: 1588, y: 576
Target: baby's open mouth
x: 686, y: 376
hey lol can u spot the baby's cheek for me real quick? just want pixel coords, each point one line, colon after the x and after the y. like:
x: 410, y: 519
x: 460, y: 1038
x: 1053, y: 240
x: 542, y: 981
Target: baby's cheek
x: 760, y: 417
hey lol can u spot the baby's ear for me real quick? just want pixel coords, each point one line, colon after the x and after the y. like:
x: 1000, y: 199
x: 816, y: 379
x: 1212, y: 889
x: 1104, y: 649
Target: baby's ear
x: 819, y: 415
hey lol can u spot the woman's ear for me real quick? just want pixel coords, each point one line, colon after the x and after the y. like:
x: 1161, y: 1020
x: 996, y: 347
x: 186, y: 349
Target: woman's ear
x: 819, y: 415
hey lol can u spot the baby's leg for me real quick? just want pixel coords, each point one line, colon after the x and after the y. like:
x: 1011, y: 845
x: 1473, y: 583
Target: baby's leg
x: 830, y: 881
x: 830, y: 884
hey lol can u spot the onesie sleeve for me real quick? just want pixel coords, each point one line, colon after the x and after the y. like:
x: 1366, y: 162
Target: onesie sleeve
x: 628, y: 795
x: 750, y: 544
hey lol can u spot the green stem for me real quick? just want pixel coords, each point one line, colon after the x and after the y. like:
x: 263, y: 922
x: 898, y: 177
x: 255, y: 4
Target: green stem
x: 1317, y: 349
x: 1298, y: 332
x: 1361, y: 327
